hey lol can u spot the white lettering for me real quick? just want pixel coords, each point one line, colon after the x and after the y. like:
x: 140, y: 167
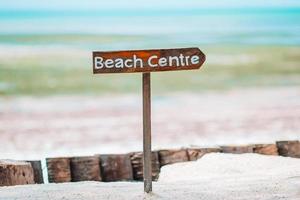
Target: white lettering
x: 149, y: 61
x: 195, y: 59
x: 162, y: 62
x: 187, y: 60
x: 181, y: 57
x: 126, y: 63
x: 98, y: 63
x: 171, y: 58
x: 109, y: 63
x: 153, y: 61
x: 119, y: 63
x: 136, y: 60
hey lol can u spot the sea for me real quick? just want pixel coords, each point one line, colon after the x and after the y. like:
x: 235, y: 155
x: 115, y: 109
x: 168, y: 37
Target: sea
x: 159, y: 27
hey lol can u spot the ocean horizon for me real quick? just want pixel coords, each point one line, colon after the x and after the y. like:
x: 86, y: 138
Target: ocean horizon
x: 262, y: 25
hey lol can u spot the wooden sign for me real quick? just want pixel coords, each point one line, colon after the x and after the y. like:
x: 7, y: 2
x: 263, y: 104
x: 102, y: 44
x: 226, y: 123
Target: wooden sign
x: 147, y: 60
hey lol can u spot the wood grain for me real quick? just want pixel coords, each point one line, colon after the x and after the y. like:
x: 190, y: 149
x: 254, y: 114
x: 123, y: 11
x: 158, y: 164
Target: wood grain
x: 266, y: 149
x: 37, y: 171
x: 197, y: 152
x: 137, y: 165
x: 167, y: 157
x: 85, y: 168
x: 58, y: 169
x: 15, y: 173
x: 237, y: 149
x: 289, y: 148
x: 144, y: 56
x: 116, y: 167
x: 147, y: 132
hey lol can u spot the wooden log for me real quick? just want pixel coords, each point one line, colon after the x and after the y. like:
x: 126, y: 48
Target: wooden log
x: 237, y: 149
x: 37, y: 171
x: 283, y: 147
x: 15, y: 173
x: 58, y: 170
x: 265, y: 149
x: 116, y: 167
x: 137, y: 165
x: 85, y: 168
x: 211, y: 150
x: 195, y: 153
x: 172, y: 156
x: 289, y: 148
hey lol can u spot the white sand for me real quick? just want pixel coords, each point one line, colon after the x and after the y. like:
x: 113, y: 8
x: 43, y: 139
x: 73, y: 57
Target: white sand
x: 214, y: 177
x: 232, y: 166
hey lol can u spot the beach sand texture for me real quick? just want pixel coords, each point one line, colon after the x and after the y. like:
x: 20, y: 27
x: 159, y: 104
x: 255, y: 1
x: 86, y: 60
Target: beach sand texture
x: 215, y: 176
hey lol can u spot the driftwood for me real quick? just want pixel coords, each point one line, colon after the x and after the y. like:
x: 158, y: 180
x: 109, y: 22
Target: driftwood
x: 116, y: 167
x: 15, y: 173
x: 237, y: 149
x: 195, y: 153
x: 137, y: 165
x: 85, y: 168
x: 266, y: 149
x: 172, y: 156
x: 289, y: 148
x: 59, y: 170
x: 37, y: 171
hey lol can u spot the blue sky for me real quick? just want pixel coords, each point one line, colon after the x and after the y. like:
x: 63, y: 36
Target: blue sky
x: 139, y: 4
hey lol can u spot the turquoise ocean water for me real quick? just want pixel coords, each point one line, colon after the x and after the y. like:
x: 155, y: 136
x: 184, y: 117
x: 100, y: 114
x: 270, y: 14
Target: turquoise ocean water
x: 279, y: 26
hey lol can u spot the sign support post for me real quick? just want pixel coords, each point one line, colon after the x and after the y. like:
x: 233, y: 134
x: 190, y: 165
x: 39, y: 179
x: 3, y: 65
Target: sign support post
x: 147, y: 132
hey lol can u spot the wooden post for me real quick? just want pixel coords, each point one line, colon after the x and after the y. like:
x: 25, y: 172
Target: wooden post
x: 37, y: 171
x: 14, y: 172
x: 59, y: 170
x: 138, y: 166
x: 147, y: 132
x: 85, y: 168
x: 116, y: 167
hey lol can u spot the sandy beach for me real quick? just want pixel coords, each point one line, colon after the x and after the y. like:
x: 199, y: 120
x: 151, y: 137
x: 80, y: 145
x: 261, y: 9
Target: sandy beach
x: 215, y: 176
x: 54, y: 105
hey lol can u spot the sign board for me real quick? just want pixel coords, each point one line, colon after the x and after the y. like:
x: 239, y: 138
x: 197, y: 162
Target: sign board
x: 147, y: 60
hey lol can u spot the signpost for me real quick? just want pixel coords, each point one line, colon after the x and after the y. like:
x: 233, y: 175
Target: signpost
x: 146, y: 61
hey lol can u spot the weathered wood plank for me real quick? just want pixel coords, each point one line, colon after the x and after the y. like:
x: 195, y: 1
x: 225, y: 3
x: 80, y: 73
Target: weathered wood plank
x: 59, y: 170
x: 37, y: 170
x: 147, y: 60
x: 15, y: 173
x: 172, y: 156
x: 116, y: 167
x: 137, y: 165
x: 289, y: 148
x: 237, y: 149
x: 266, y: 149
x: 195, y: 153
x: 85, y: 168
